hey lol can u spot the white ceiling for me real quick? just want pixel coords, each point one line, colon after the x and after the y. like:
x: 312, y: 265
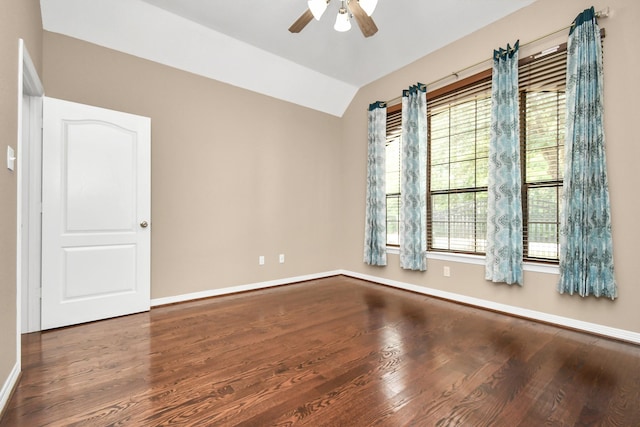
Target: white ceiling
x: 246, y: 42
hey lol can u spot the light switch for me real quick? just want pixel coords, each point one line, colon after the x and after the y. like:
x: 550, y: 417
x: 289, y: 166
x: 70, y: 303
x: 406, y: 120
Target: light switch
x: 11, y: 158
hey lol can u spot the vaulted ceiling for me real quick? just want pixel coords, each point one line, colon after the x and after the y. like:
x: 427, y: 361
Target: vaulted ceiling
x: 246, y: 42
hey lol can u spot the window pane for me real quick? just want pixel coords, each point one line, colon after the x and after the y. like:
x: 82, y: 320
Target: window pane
x: 484, y: 113
x: 463, y: 146
x: 439, y: 125
x: 545, y: 119
x: 463, y: 174
x: 440, y: 221
x: 542, y: 204
x: 393, y: 220
x: 542, y: 224
x: 462, y: 221
x: 544, y: 135
x: 482, y: 143
x: 439, y: 151
x: 542, y: 165
x: 439, y: 177
x: 393, y: 166
x: 482, y: 172
x: 463, y: 118
x: 459, y: 221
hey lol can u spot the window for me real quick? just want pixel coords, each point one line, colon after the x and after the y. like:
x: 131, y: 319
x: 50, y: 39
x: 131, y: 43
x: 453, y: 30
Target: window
x: 459, y: 120
x: 459, y: 123
x: 542, y: 127
x: 394, y: 136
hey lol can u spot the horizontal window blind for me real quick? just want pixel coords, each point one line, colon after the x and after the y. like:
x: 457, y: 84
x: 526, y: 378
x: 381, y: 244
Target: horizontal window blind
x: 542, y: 84
x: 459, y: 124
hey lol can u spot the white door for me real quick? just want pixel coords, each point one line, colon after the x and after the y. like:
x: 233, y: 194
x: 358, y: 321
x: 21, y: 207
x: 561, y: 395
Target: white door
x: 95, y: 213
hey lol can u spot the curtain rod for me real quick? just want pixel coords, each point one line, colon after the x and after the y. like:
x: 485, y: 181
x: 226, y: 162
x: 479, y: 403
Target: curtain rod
x: 604, y: 13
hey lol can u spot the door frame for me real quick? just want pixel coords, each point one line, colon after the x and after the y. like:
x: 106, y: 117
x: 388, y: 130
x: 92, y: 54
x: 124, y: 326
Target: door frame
x: 29, y: 201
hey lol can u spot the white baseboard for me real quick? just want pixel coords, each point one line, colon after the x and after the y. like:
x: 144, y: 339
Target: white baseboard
x: 8, y: 386
x: 594, y: 328
x: 242, y: 288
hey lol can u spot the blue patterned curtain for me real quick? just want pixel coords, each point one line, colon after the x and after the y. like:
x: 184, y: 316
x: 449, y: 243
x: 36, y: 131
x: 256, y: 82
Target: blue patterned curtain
x: 586, y: 249
x: 504, y: 206
x: 413, y: 180
x: 375, y: 235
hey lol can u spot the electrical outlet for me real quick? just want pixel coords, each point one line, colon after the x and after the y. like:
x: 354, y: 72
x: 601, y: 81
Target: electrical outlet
x: 281, y: 258
x: 446, y: 271
x: 261, y: 260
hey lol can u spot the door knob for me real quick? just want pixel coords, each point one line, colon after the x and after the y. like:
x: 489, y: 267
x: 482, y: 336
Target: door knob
x: 144, y: 224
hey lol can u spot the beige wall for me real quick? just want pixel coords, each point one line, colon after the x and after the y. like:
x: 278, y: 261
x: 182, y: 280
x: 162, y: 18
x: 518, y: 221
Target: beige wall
x: 18, y: 19
x: 235, y: 174
x: 623, y: 151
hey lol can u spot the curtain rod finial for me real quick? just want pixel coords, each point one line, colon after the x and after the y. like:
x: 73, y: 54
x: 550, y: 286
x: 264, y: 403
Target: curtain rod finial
x: 604, y: 13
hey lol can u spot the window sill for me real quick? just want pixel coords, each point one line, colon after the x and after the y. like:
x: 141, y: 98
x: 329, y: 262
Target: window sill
x: 537, y: 267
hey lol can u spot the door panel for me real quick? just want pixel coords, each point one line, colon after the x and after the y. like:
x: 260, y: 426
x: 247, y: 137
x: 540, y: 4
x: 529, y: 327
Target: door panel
x: 100, y: 177
x: 111, y: 270
x: 96, y: 193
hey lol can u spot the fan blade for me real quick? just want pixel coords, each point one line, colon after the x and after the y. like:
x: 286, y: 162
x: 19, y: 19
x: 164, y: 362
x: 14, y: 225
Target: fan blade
x: 366, y: 24
x: 301, y: 22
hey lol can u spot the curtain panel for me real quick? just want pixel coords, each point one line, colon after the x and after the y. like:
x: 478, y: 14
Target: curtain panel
x: 586, y: 247
x: 413, y: 179
x: 375, y: 235
x: 503, y: 261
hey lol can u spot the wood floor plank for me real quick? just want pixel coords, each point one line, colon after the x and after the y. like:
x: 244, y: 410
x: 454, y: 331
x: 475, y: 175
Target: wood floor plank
x: 329, y: 352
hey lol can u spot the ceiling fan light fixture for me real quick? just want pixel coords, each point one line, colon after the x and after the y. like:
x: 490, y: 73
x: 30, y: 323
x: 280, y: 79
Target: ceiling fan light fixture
x: 348, y: 9
x: 342, y: 21
x: 317, y: 8
x: 368, y: 6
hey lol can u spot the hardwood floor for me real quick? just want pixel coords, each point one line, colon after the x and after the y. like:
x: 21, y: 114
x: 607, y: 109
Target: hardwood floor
x: 331, y: 352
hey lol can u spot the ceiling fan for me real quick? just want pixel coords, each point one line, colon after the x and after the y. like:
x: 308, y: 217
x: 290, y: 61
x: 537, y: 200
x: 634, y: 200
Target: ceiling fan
x: 361, y: 10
